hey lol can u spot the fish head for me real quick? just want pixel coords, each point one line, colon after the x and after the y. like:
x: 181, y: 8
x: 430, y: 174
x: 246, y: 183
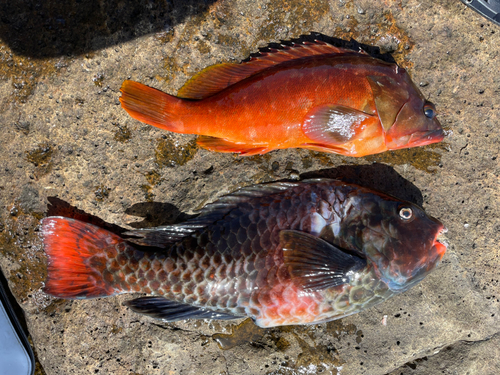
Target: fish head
x: 397, y: 238
x: 408, y: 119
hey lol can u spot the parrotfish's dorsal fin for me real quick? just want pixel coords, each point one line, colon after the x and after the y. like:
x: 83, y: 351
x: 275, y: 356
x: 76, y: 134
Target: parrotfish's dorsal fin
x: 216, y: 78
x: 166, y: 235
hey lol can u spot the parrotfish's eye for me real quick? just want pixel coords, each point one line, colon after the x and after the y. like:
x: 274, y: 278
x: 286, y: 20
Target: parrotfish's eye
x: 429, y: 110
x: 406, y: 213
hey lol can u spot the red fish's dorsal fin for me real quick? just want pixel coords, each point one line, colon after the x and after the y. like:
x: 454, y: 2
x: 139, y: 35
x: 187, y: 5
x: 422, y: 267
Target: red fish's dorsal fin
x: 216, y: 78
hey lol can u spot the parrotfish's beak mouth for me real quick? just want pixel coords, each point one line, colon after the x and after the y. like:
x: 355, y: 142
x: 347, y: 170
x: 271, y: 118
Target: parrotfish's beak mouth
x: 416, y: 139
x: 440, y: 246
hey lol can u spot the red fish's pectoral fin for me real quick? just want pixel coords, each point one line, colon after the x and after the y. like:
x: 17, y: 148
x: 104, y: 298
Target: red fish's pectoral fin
x: 314, y: 263
x: 221, y: 145
x: 333, y: 125
x: 162, y: 308
x: 77, y: 253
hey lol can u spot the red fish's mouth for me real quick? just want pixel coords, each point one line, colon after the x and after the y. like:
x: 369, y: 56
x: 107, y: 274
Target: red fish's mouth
x: 416, y: 139
x: 426, y: 138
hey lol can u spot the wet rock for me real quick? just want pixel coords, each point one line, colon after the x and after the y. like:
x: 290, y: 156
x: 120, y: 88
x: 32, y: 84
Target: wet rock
x: 29, y: 200
x: 64, y: 135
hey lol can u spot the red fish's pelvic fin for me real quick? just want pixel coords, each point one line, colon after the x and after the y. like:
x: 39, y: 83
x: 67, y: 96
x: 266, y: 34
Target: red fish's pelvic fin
x: 152, y: 106
x: 216, y: 78
x: 77, y: 253
x: 221, y: 145
x: 323, y: 148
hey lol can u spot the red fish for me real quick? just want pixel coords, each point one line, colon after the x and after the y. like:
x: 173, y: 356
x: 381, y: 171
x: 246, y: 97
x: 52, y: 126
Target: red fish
x: 313, y: 96
x: 280, y: 253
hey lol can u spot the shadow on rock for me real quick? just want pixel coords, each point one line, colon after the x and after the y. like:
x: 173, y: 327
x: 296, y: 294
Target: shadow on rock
x: 55, y: 28
x: 379, y: 177
x: 58, y: 207
x: 156, y: 214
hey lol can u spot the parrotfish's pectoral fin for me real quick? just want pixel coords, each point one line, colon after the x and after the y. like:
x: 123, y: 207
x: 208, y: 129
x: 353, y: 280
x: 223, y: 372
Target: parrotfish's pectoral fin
x: 221, y: 145
x: 162, y: 308
x: 314, y: 263
x: 333, y: 124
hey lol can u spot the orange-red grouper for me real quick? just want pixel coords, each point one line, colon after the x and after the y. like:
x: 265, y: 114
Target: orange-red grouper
x: 312, y: 95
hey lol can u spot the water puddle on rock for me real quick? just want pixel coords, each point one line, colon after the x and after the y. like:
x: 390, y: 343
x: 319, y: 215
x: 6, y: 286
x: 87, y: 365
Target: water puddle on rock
x: 422, y: 158
x: 244, y: 332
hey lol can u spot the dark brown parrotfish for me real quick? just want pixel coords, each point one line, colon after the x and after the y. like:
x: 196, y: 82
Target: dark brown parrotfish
x: 281, y: 253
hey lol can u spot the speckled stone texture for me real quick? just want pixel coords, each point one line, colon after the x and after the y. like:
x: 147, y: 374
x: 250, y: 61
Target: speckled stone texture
x: 65, y: 135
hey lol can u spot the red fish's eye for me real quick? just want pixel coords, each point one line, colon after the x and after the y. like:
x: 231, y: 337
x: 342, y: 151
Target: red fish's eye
x: 406, y: 213
x: 429, y: 110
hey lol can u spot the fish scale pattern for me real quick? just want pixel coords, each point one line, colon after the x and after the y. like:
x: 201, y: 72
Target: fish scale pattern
x: 234, y: 264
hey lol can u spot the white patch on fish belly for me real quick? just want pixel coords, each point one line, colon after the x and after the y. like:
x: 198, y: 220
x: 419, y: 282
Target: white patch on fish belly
x: 335, y: 226
x: 332, y: 124
x: 325, y: 210
x: 352, y: 203
x: 344, y: 124
x: 317, y: 224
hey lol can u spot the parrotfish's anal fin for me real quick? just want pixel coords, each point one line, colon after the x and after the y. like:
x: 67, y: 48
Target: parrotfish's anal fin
x: 314, y: 263
x: 162, y: 308
x: 151, y: 106
x: 221, y: 145
x: 216, y: 78
x: 77, y: 254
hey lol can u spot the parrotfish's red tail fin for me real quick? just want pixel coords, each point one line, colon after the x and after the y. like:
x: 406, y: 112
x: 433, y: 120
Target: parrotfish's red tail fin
x: 152, y: 106
x: 78, y: 254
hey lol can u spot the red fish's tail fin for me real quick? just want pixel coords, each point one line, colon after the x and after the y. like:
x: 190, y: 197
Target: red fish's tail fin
x: 152, y: 106
x: 78, y: 254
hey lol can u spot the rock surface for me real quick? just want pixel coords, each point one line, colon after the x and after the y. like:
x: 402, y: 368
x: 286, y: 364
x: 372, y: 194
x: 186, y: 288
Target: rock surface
x: 64, y: 135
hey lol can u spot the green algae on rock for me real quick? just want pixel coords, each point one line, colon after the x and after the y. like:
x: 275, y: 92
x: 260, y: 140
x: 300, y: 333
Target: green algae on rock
x: 168, y: 154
